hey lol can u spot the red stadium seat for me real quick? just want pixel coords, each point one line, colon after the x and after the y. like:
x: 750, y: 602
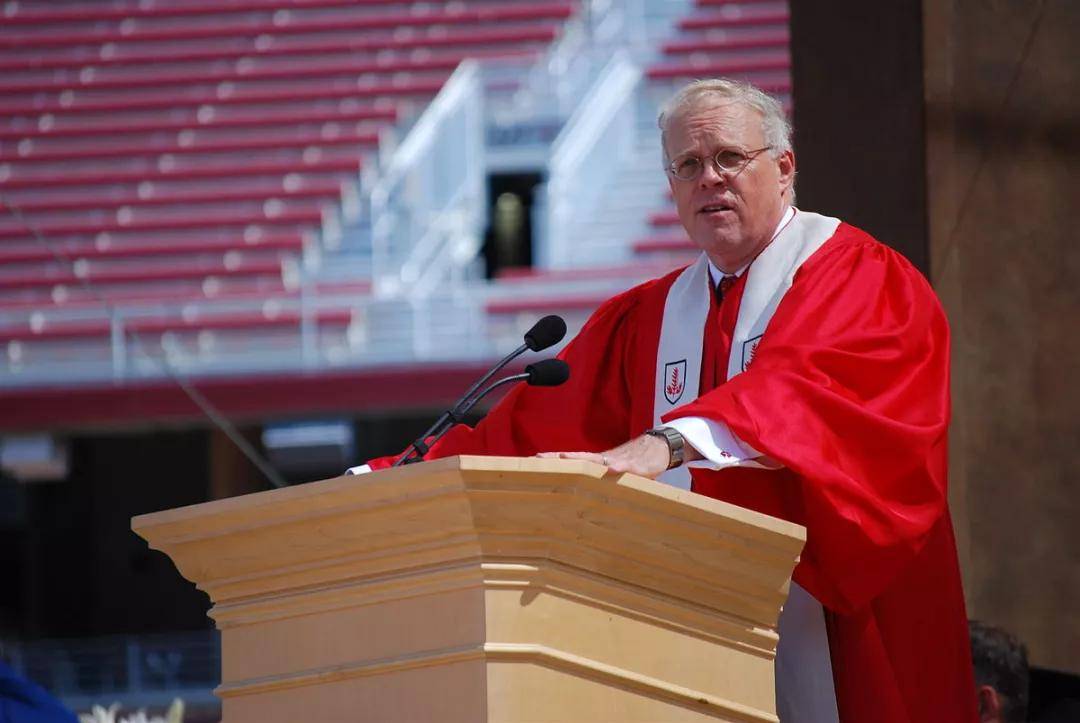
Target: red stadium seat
x: 158, y: 172
x: 523, y: 277
x: 547, y: 304
x: 251, y: 73
x: 151, y: 220
x: 766, y: 39
x: 266, y: 24
x: 216, y: 288
x: 149, y: 247
x: 148, y: 193
x: 139, y: 274
x: 676, y: 243
x: 664, y: 218
x: 166, y: 53
x: 94, y: 11
x: 728, y: 3
x: 235, y: 321
x: 697, y: 67
x: 71, y: 151
x: 748, y: 16
x: 223, y: 119
x: 284, y: 94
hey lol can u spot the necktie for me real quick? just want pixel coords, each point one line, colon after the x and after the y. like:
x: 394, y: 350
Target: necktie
x: 725, y: 284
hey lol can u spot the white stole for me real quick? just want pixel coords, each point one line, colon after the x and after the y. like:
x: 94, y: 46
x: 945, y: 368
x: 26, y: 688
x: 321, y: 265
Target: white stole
x: 804, y: 682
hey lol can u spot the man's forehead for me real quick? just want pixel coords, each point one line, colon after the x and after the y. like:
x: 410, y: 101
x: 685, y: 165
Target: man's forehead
x: 715, y: 120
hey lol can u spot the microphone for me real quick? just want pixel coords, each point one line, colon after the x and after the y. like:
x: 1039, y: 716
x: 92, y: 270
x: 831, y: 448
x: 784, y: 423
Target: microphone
x: 548, y: 331
x: 547, y: 373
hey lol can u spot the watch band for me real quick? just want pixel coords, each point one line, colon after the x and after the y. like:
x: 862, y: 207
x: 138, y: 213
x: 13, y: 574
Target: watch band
x: 675, y: 442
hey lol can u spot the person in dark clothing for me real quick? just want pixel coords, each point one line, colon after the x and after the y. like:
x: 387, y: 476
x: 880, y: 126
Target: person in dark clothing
x: 1001, y: 674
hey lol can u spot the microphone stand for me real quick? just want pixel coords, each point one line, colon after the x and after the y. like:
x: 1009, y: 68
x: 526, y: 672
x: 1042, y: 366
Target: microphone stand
x: 455, y: 414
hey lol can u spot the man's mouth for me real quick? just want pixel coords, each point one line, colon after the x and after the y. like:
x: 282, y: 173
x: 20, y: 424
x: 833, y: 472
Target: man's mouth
x: 715, y: 208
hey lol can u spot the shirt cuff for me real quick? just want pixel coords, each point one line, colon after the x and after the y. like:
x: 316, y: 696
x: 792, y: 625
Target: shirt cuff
x: 714, y: 441
x: 360, y: 469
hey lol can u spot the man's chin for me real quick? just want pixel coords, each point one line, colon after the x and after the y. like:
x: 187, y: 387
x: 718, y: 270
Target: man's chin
x: 727, y: 253
x: 719, y: 243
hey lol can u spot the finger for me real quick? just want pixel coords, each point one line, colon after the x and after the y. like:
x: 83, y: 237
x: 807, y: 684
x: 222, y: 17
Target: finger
x: 588, y: 456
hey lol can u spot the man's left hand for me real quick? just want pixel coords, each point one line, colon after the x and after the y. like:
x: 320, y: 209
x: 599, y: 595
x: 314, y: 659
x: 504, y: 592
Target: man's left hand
x: 646, y: 456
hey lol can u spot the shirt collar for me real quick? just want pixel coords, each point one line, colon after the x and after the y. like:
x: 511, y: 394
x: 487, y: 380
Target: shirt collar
x: 715, y: 274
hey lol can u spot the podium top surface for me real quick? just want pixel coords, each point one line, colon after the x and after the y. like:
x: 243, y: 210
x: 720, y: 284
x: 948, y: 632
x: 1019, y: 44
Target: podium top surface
x: 474, y: 510
x: 520, y: 471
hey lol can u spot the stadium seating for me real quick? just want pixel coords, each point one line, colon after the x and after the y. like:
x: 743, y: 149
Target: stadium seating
x: 159, y: 155
x: 167, y: 153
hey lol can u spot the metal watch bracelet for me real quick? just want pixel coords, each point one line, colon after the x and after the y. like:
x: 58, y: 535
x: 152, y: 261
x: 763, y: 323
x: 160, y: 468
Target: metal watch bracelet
x: 675, y: 442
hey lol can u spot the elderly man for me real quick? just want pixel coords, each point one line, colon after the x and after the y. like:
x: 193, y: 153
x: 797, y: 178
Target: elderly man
x: 798, y: 368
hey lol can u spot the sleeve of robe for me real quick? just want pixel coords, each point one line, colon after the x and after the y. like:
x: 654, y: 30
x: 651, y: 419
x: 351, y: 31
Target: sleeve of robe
x: 590, y: 412
x: 848, y: 389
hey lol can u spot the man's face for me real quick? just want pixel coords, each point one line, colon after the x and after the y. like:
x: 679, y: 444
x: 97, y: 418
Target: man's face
x: 730, y: 216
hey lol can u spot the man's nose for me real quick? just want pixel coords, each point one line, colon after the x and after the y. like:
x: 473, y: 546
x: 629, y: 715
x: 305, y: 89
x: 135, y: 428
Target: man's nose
x: 711, y: 175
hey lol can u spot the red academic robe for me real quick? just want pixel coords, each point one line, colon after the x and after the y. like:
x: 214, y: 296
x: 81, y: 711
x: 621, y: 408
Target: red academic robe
x: 849, y: 390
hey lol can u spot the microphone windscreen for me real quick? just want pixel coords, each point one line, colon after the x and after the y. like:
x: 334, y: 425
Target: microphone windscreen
x: 548, y: 373
x: 549, y: 330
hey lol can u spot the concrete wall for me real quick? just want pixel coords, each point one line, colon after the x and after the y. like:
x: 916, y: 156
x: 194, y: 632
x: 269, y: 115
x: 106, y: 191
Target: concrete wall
x: 1003, y: 146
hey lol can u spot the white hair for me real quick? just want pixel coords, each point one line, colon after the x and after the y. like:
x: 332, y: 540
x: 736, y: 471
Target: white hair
x: 774, y: 123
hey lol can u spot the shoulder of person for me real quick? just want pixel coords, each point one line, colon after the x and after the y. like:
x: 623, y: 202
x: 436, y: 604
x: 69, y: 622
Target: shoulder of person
x: 644, y: 294
x: 851, y: 244
x: 633, y: 310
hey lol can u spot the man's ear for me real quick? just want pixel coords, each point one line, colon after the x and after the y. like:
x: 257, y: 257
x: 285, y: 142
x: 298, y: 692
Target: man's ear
x: 786, y: 164
x: 989, y: 704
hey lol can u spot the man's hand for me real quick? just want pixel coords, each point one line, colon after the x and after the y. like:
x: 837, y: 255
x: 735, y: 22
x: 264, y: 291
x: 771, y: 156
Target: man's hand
x: 646, y: 456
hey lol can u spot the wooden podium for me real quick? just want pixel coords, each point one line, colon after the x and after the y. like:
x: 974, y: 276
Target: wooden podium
x: 487, y: 589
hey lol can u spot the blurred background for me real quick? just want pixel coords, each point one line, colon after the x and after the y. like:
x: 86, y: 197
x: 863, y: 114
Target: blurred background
x: 249, y: 243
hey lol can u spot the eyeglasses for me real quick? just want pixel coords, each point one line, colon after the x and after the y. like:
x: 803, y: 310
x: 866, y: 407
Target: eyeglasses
x: 726, y: 160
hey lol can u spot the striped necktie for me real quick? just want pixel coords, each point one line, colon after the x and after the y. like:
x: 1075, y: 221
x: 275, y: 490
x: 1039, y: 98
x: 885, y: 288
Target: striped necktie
x: 725, y: 284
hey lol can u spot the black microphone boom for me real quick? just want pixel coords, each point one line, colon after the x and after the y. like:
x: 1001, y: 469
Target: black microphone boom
x: 548, y: 331
x: 546, y: 373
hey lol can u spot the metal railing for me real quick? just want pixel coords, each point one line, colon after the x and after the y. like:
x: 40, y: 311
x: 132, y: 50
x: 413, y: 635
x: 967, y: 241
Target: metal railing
x: 307, y: 331
x: 136, y: 670
x: 552, y: 88
x: 428, y: 208
x: 585, y: 157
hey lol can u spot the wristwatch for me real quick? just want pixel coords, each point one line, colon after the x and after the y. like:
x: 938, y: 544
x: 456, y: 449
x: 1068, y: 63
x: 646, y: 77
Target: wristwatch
x: 675, y: 444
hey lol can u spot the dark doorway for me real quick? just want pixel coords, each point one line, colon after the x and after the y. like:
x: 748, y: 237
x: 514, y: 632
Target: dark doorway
x: 508, y: 241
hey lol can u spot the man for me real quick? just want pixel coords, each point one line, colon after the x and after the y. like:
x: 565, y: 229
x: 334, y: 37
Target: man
x: 1001, y: 674
x: 799, y: 368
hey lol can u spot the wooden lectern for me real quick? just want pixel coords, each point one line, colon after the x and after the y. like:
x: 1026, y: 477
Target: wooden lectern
x: 487, y: 590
